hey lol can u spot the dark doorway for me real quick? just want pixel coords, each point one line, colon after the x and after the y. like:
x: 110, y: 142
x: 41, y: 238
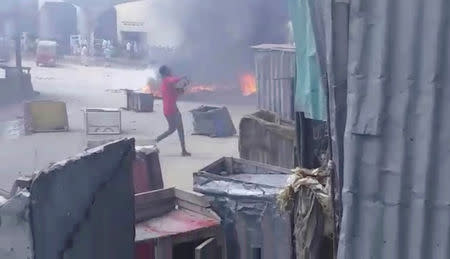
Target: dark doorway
x: 185, y: 250
x: 135, y: 38
x: 57, y: 22
x: 139, y: 37
x: 106, y: 28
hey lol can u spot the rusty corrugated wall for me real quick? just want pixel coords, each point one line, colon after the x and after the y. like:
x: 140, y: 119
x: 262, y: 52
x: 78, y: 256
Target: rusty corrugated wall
x: 390, y: 124
x: 275, y: 73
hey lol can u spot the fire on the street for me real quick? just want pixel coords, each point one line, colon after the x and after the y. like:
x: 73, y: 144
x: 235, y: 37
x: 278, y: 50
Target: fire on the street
x: 148, y: 89
x: 248, y: 84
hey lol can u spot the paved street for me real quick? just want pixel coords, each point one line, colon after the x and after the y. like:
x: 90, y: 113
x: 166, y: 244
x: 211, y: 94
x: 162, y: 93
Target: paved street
x: 82, y: 87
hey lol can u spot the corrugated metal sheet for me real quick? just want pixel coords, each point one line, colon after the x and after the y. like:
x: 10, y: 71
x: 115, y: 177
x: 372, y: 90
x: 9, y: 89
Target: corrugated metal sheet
x: 275, y: 72
x: 396, y: 151
x: 83, y: 207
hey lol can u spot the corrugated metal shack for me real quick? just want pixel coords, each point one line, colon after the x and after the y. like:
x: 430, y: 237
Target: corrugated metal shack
x: 386, y: 65
x: 275, y: 73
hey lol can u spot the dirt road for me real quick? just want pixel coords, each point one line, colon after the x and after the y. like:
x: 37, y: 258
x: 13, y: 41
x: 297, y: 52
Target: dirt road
x: 82, y: 87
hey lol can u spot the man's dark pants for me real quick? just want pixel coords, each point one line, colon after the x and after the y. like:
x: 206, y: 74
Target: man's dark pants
x: 175, y: 123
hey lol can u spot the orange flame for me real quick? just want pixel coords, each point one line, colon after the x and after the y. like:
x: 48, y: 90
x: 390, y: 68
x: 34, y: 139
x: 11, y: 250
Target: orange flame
x: 148, y: 90
x: 248, y: 84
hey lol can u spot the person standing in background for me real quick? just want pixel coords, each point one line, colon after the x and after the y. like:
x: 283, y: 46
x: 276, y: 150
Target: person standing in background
x: 135, y: 49
x: 108, y: 53
x: 128, y: 48
x: 173, y: 116
x: 84, y: 55
x: 104, y: 44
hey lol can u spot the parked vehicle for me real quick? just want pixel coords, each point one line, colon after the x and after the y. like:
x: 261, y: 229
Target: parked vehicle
x: 46, y: 53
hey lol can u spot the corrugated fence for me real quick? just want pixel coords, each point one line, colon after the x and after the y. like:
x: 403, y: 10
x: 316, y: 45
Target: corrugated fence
x: 394, y: 122
x: 396, y: 161
x: 275, y: 73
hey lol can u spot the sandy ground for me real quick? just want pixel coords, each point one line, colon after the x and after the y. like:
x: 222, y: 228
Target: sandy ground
x: 82, y: 87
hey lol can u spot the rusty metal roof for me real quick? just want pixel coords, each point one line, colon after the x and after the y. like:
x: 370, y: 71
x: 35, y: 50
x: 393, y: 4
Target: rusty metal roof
x: 275, y: 73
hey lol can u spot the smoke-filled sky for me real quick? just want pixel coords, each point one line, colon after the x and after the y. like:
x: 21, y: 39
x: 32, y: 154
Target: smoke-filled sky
x: 213, y: 38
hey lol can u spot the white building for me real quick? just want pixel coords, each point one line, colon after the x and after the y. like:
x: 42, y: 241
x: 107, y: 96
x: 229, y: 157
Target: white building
x: 145, y: 21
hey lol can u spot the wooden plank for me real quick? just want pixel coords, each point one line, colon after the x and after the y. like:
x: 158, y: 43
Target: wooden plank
x: 164, y: 248
x: 153, y: 204
x: 243, y: 167
x: 197, y: 209
x: 258, y: 168
x: 228, y: 164
x: 197, y: 199
x: 208, y: 249
x: 201, y: 234
x: 145, y: 205
x: 221, y: 242
x: 149, y: 197
x: 155, y: 209
x: 215, y: 167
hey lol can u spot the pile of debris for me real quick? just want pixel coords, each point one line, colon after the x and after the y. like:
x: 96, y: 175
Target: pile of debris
x: 308, y: 195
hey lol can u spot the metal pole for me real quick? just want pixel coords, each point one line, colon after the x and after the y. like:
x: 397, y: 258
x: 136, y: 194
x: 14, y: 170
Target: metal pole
x: 18, y: 52
x: 18, y: 37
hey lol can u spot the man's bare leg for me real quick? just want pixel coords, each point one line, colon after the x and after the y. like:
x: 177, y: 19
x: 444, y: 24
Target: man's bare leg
x: 180, y: 130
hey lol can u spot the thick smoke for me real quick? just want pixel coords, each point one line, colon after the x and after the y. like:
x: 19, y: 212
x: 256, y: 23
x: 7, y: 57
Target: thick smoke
x: 212, y: 38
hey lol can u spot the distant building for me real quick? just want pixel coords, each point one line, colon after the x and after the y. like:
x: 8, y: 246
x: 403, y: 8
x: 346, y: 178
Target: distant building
x: 133, y: 22
x: 147, y: 24
x: 57, y: 22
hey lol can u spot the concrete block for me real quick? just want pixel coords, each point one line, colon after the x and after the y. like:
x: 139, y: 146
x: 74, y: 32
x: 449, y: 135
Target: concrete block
x: 84, y: 207
x: 46, y: 116
x: 15, y: 230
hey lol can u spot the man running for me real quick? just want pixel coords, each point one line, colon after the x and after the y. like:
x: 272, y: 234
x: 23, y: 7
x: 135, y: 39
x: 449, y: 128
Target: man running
x: 169, y: 98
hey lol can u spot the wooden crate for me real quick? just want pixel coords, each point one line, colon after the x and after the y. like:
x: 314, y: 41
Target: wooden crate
x: 166, y: 219
x: 265, y: 138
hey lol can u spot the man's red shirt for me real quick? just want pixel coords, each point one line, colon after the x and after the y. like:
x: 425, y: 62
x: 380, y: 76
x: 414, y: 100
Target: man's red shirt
x: 169, y: 95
